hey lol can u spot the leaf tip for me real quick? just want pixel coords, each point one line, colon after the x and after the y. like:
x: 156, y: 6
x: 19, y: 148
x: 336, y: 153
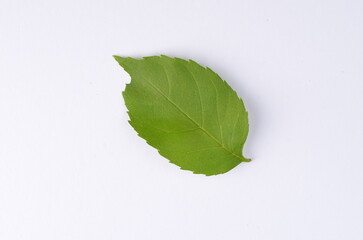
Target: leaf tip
x: 120, y: 60
x: 116, y: 57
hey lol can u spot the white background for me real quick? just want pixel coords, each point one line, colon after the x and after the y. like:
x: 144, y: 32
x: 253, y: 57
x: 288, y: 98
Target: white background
x: 71, y: 167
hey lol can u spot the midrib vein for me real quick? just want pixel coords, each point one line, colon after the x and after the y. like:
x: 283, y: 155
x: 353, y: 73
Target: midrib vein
x: 192, y: 120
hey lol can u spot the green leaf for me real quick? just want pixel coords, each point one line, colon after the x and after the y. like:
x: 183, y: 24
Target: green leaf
x: 187, y: 112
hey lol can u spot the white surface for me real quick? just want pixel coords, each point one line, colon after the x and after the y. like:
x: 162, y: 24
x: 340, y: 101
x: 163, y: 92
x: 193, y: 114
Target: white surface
x: 71, y: 167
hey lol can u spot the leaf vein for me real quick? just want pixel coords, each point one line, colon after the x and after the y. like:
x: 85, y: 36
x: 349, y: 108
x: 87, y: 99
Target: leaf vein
x: 200, y: 99
x: 217, y: 108
x: 167, y: 79
x: 234, y: 128
x: 199, y: 150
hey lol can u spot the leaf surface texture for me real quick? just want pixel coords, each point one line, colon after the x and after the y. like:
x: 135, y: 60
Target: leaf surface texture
x: 187, y: 112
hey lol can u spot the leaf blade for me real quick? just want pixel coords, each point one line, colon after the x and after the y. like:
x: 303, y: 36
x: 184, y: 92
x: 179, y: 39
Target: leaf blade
x: 183, y: 109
